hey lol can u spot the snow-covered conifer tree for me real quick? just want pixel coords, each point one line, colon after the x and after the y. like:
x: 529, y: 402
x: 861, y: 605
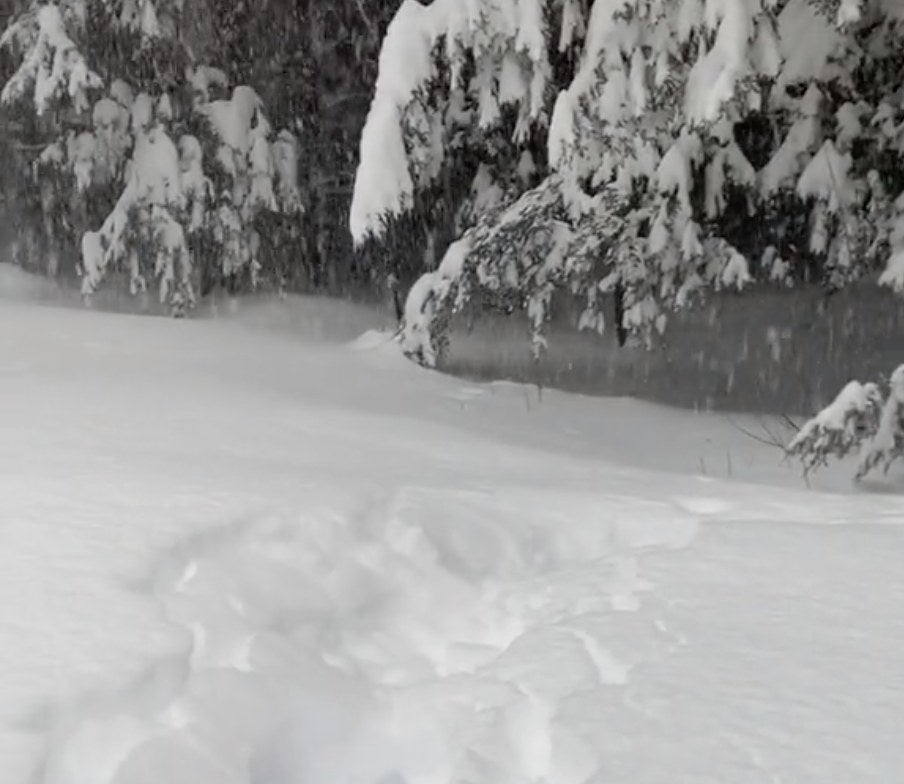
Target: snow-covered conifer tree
x: 182, y: 162
x: 649, y: 173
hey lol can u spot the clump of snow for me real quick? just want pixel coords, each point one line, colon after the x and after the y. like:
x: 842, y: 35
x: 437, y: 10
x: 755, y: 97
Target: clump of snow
x: 715, y: 74
x: 383, y: 183
x: 122, y: 93
x: 673, y: 175
x: 285, y: 154
x: 141, y: 16
x: 112, y: 139
x: 800, y: 142
x: 811, y: 46
x: 736, y: 273
x: 196, y: 186
x: 779, y: 269
x: 81, y: 152
x: 827, y: 177
x: 574, y: 26
x: 202, y: 78
x: 849, y: 12
x: 850, y: 124
x: 888, y: 442
x: 425, y: 299
x: 727, y: 164
x: 893, y: 274
x: 404, y: 137
x: 260, y: 170
x: 561, y: 137
x: 235, y: 119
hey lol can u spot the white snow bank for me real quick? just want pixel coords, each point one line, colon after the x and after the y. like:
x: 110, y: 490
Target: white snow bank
x: 233, y: 555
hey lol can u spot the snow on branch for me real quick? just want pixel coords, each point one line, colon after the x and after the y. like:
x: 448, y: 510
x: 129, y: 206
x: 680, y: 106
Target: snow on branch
x: 714, y: 77
x: 515, y: 253
x: 888, y: 442
x: 141, y: 16
x: 827, y: 178
x: 893, y: 274
x: 403, y: 143
x: 428, y: 299
x: 383, y: 184
x: 52, y: 66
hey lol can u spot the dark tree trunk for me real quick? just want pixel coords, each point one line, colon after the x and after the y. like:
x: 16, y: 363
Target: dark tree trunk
x: 620, y: 330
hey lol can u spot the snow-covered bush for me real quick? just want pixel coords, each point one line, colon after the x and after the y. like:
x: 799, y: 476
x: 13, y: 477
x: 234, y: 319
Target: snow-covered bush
x: 840, y: 428
x: 180, y: 165
x: 860, y: 420
x: 652, y: 149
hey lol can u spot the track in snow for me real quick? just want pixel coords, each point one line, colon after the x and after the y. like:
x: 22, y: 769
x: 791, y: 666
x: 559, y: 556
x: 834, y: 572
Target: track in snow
x: 433, y: 637
x: 438, y: 636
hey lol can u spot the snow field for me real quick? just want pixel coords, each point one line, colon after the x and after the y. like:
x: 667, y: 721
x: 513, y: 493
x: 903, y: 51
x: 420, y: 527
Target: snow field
x: 234, y: 553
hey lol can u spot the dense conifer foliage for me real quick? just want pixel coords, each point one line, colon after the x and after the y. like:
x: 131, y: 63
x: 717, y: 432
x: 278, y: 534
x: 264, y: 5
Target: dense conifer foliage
x: 647, y: 148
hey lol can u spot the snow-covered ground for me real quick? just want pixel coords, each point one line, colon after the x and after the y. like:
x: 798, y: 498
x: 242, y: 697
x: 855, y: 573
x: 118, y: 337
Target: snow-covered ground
x: 236, y: 552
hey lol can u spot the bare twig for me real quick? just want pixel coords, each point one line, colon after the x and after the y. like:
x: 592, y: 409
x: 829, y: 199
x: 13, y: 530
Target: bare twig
x: 35, y: 147
x: 371, y: 28
x: 769, y: 440
x: 793, y: 426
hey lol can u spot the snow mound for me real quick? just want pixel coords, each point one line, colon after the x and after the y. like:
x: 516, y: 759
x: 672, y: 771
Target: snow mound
x: 373, y: 339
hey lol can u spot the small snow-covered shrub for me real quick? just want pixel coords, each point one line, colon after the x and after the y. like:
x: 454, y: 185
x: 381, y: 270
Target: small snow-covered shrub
x: 840, y: 428
x: 860, y: 420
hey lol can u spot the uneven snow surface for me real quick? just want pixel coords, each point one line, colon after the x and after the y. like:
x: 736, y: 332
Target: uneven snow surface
x: 233, y: 554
